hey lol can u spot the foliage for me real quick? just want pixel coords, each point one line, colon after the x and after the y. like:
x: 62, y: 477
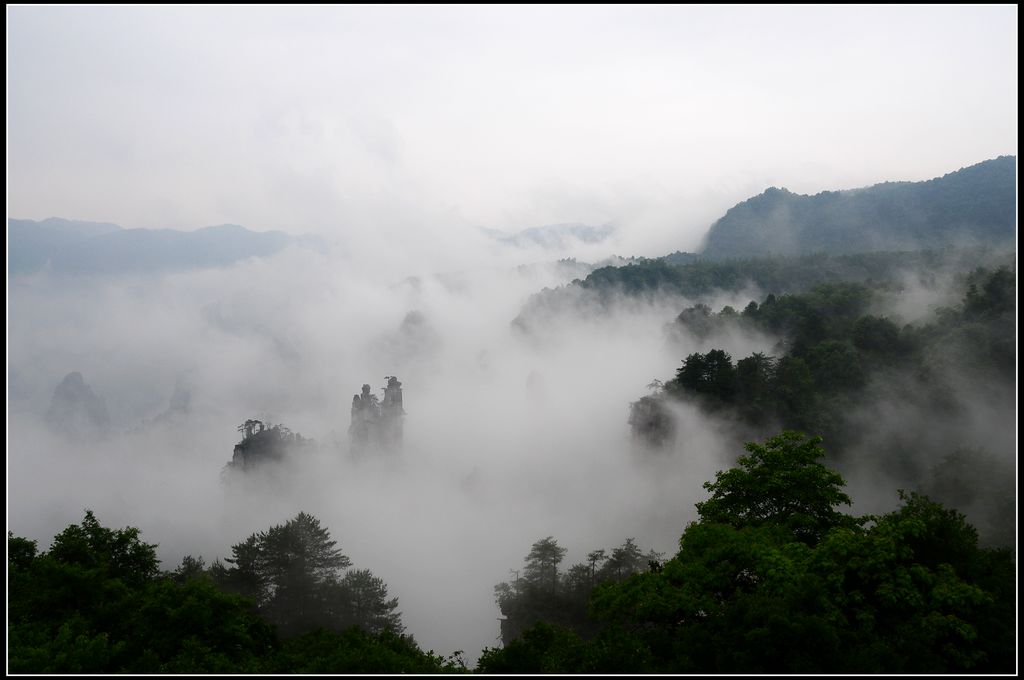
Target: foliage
x: 650, y: 420
x: 263, y: 443
x: 561, y: 598
x: 355, y: 650
x: 780, y: 483
x: 700, y: 278
x: 366, y: 597
x: 541, y: 569
x: 837, y: 358
x: 981, y: 484
x: 95, y: 603
x: 293, y: 572
x: 772, y: 579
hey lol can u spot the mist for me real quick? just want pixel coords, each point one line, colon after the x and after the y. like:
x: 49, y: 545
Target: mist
x: 507, y: 439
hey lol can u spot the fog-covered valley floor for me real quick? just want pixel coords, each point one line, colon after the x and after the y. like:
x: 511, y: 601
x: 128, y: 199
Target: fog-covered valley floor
x: 508, y: 437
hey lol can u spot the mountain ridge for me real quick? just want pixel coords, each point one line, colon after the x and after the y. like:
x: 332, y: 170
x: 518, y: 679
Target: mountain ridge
x: 975, y: 204
x: 78, y: 247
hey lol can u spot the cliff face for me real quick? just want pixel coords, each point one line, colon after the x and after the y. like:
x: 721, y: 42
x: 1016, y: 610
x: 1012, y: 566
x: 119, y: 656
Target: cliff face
x: 262, y: 445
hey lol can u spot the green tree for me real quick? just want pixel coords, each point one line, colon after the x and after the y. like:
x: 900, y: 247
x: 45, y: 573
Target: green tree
x: 594, y: 558
x: 299, y: 562
x: 95, y: 603
x: 368, y: 605
x: 651, y: 422
x: 295, y: 574
x: 625, y: 561
x: 119, y: 553
x: 355, y: 651
x: 190, y: 568
x: 795, y: 396
x: 753, y: 591
x: 247, y: 576
x: 876, y: 334
x: 542, y: 564
x: 710, y: 375
x: 997, y: 295
x: 782, y: 483
x: 755, y: 377
x: 836, y: 367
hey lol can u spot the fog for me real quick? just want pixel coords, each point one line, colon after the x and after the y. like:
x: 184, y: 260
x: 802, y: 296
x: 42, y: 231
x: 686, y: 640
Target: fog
x: 508, y: 439
x: 511, y: 434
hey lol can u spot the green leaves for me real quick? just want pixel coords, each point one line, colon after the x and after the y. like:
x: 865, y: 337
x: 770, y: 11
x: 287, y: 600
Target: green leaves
x: 94, y: 604
x: 780, y: 483
x: 294, y: 573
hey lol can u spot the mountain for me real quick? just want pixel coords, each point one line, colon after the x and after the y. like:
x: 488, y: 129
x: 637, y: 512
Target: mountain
x: 75, y: 410
x: 553, y: 236
x: 69, y: 247
x: 30, y: 244
x: 974, y: 205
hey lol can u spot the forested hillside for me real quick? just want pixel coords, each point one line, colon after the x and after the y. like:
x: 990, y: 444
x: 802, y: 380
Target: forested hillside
x: 973, y: 205
x: 775, y: 578
x: 838, y: 362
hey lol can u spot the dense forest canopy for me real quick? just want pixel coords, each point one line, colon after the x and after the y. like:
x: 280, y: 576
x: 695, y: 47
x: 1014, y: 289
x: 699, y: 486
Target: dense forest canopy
x: 834, y: 355
x: 97, y: 602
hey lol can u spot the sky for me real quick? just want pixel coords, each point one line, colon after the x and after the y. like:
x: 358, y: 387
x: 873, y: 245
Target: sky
x: 425, y: 123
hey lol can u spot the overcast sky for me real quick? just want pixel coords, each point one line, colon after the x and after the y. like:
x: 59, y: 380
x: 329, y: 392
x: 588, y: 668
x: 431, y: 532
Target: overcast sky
x: 440, y: 120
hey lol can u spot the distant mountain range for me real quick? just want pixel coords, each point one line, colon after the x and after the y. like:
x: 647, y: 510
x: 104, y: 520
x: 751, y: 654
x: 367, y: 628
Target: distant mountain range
x: 553, y: 236
x: 974, y: 205
x: 74, y: 247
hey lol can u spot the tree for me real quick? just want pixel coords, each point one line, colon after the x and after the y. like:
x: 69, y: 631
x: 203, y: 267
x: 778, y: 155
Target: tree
x: 711, y: 375
x: 289, y: 570
x: 997, y: 295
x: 119, y: 553
x: 981, y: 485
x: 794, y: 392
x: 95, y: 603
x: 190, y: 568
x: 367, y: 602
x: 543, y: 595
x: 625, y: 561
x: 578, y: 581
x: 294, y: 573
x: 594, y: 558
x: 780, y: 482
x: 755, y: 376
x: 835, y: 366
x: 876, y: 334
x: 651, y: 422
x: 355, y: 651
x: 749, y: 593
x: 246, y: 577
x: 542, y: 564
x: 698, y: 320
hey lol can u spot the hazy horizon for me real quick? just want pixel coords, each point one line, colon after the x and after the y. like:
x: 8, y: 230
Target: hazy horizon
x: 425, y: 123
